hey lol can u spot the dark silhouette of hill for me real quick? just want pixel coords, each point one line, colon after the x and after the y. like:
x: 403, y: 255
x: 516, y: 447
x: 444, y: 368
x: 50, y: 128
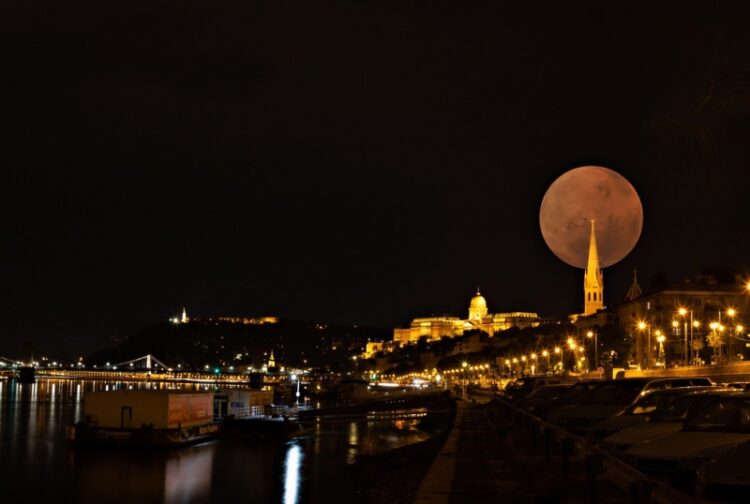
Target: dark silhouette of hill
x: 219, y: 343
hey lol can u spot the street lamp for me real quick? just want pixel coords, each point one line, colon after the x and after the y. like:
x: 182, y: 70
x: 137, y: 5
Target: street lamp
x: 545, y: 354
x: 558, y: 350
x: 296, y: 377
x: 644, y: 326
x: 683, y: 312
x: 592, y: 334
x: 464, y: 365
x: 714, y: 326
x: 731, y: 312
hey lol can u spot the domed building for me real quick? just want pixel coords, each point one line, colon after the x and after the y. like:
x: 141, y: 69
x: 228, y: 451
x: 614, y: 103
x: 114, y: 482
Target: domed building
x: 477, y: 307
x: 434, y: 328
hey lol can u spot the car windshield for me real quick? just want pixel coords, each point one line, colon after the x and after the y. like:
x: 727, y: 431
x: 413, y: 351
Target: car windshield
x: 646, y: 405
x: 727, y: 415
x: 547, y: 392
x: 673, y: 408
x: 617, y: 392
x: 519, y: 384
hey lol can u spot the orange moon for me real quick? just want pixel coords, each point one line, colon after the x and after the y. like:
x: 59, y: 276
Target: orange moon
x: 583, y: 194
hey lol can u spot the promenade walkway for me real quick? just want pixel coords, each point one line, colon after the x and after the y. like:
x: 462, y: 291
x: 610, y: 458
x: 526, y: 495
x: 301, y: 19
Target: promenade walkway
x: 485, y: 460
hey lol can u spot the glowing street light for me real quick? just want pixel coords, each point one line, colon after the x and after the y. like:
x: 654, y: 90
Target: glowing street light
x: 642, y: 325
x: 731, y: 312
x: 592, y: 334
x: 683, y: 313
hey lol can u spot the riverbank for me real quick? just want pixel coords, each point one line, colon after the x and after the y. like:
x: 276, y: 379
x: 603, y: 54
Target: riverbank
x: 394, y: 476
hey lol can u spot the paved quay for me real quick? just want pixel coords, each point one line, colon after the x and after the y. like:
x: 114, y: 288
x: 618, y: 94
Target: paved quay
x: 484, y: 459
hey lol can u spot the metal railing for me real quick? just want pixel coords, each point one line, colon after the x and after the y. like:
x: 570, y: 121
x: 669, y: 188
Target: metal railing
x: 599, y: 464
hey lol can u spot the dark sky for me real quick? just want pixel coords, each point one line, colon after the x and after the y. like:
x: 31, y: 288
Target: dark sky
x: 353, y: 162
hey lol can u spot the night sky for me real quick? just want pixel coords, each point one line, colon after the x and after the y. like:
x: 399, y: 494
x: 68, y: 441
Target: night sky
x: 351, y: 162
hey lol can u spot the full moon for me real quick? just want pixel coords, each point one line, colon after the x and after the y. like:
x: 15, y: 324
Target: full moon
x: 591, y: 193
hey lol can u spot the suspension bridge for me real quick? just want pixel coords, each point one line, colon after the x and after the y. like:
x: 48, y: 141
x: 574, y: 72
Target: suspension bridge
x: 144, y: 368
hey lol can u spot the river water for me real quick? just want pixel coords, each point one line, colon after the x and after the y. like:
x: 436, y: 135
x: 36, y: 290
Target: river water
x: 37, y: 463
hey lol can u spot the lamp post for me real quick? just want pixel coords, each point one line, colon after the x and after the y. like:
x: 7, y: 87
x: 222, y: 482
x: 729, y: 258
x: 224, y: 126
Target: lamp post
x: 558, y: 350
x: 592, y: 334
x: 693, y: 355
x: 545, y: 354
x: 296, y: 377
x: 738, y: 329
x: 644, y: 326
x: 572, y: 346
x: 464, y: 365
x: 731, y: 312
x: 683, y: 312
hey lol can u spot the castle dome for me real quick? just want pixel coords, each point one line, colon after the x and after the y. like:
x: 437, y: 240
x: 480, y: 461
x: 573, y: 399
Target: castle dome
x: 478, y: 302
x: 477, y: 307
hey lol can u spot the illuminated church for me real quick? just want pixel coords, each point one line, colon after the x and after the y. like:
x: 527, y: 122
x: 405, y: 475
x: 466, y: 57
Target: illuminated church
x: 593, y: 282
x: 434, y: 328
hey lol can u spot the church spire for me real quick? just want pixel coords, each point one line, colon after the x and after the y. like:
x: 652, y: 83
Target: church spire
x: 635, y: 289
x: 593, y: 280
x: 593, y: 263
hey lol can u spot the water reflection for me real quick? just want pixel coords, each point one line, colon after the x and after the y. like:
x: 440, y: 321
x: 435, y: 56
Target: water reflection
x: 351, y: 453
x: 188, y: 476
x: 36, y: 460
x: 292, y: 477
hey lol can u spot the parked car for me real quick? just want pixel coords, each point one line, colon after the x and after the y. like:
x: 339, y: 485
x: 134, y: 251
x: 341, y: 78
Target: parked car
x: 709, y: 434
x: 673, y: 408
x: 659, y: 404
x: 522, y: 387
x: 608, y: 398
x: 726, y: 478
x: 743, y: 386
x: 563, y: 396
x: 543, y: 396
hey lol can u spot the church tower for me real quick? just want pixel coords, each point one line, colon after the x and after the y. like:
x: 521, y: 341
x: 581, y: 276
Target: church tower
x: 593, y: 281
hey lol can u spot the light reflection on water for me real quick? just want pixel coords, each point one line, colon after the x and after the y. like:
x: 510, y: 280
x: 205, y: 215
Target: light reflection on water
x: 292, y: 476
x: 35, y: 458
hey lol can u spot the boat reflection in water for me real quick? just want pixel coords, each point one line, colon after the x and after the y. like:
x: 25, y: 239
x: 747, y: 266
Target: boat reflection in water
x: 188, y: 476
x: 37, y: 461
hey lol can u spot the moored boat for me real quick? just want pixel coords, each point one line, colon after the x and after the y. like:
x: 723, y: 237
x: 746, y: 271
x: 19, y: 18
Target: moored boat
x: 149, y: 418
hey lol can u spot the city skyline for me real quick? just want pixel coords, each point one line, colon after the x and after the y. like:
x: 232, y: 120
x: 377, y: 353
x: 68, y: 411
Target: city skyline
x: 360, y: 183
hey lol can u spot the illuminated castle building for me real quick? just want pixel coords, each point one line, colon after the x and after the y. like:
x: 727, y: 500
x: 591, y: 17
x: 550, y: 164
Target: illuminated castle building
x: 434, y: 328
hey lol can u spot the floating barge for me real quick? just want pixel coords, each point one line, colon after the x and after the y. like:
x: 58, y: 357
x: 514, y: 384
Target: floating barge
x: 150, y: 418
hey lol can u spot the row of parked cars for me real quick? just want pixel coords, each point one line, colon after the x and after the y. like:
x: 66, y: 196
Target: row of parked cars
x: 689, y: 432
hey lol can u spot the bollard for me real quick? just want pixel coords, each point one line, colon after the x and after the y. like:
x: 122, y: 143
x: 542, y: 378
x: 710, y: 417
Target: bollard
x: 566, y: 447
x: 593, y: 468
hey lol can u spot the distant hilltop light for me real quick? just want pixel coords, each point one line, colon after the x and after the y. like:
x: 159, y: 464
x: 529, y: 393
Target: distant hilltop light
x: 184, y: 319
